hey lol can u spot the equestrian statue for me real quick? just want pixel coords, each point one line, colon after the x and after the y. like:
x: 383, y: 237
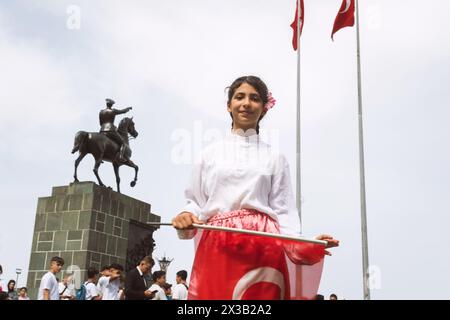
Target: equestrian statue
x: 110, y: 144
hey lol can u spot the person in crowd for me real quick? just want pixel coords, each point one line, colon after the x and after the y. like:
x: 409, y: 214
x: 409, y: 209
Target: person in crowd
x: 66, y: 288
x: 48, y: 289
x: 159, y: 279
x: 180, y: 290
x: 111, y: 284
x: 135, y: 282
x: 122, y: 287
x: 23, y: 294
x: 1, y: 272
x: 333, y: 296
x: 104, y: 273
x: 239, y: 182
x: 12, y: 293
x: 91, y: 287
x: 168, y: 290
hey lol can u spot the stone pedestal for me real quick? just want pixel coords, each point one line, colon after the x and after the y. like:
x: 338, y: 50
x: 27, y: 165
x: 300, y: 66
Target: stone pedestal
x: 88, y: 225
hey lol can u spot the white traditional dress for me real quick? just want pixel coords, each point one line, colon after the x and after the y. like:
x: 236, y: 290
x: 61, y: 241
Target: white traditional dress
x: 241, y: 182
x: 242, y: 172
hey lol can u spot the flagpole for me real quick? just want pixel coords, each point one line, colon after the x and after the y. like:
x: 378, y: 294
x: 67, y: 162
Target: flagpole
x: 298, y: 197
x: 365, y: 245
x: 249, y: 232
x: 260, y: 233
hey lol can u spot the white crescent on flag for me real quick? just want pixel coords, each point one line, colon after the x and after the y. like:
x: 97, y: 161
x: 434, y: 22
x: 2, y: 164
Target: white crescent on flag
x: 347, y: 6
x: 263, y: 274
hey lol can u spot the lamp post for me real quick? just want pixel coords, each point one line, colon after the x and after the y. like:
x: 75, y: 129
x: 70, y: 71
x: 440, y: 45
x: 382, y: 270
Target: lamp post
x: 164, y: 263
x: 18, y: 272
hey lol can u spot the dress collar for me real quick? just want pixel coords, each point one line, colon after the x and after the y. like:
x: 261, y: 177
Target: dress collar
x: 248, y: 136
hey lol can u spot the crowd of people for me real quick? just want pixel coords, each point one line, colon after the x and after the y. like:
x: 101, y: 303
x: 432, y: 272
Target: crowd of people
x: 110, y: 283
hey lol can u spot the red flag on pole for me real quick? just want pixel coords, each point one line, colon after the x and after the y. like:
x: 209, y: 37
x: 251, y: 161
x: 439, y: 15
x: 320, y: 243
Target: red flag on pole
x: 294, y: 25
x: 345, y: 17
x: 252, y: 267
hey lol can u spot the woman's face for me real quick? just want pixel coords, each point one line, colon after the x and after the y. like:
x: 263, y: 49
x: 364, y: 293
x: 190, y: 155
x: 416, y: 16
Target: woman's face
x: 11, y: 285
x: 246, y: 106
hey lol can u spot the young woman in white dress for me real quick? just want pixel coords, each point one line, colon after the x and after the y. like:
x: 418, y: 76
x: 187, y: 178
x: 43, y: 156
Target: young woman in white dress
x: 239, y: 182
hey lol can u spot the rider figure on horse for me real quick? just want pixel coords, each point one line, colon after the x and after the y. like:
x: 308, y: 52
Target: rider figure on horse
x: 107, y: 117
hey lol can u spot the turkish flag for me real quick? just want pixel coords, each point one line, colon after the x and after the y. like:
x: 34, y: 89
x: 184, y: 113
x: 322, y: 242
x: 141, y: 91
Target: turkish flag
x: 294, y: 25
x: 235, y: 266
x: 345, y: 16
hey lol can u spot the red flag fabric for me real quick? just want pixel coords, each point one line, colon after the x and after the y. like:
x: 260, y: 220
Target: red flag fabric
x: 345, y: 16
x: 234, y: 266
x: 297, y: 20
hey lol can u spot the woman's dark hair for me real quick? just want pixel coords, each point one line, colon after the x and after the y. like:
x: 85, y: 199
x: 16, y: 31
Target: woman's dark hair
x: 256, y: 83
x: 9, y: 282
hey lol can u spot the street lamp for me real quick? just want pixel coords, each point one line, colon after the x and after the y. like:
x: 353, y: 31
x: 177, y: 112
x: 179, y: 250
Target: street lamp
x: 164, y: 263
x: 18, y: 271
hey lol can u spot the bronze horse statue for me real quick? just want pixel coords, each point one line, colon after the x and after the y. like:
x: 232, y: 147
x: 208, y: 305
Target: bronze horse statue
x: 103, y: 148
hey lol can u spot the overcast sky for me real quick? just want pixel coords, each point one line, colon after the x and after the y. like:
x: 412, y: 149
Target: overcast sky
x: 172, y: 60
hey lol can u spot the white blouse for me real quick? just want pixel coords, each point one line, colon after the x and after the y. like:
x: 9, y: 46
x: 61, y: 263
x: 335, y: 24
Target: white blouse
x: 242, y: 172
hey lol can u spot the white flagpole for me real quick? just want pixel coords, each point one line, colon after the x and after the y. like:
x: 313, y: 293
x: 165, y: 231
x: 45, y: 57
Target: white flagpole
x: 259, y: 233
x: 243, y: 231
x: 365, y: 245
x: 298, y: 197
